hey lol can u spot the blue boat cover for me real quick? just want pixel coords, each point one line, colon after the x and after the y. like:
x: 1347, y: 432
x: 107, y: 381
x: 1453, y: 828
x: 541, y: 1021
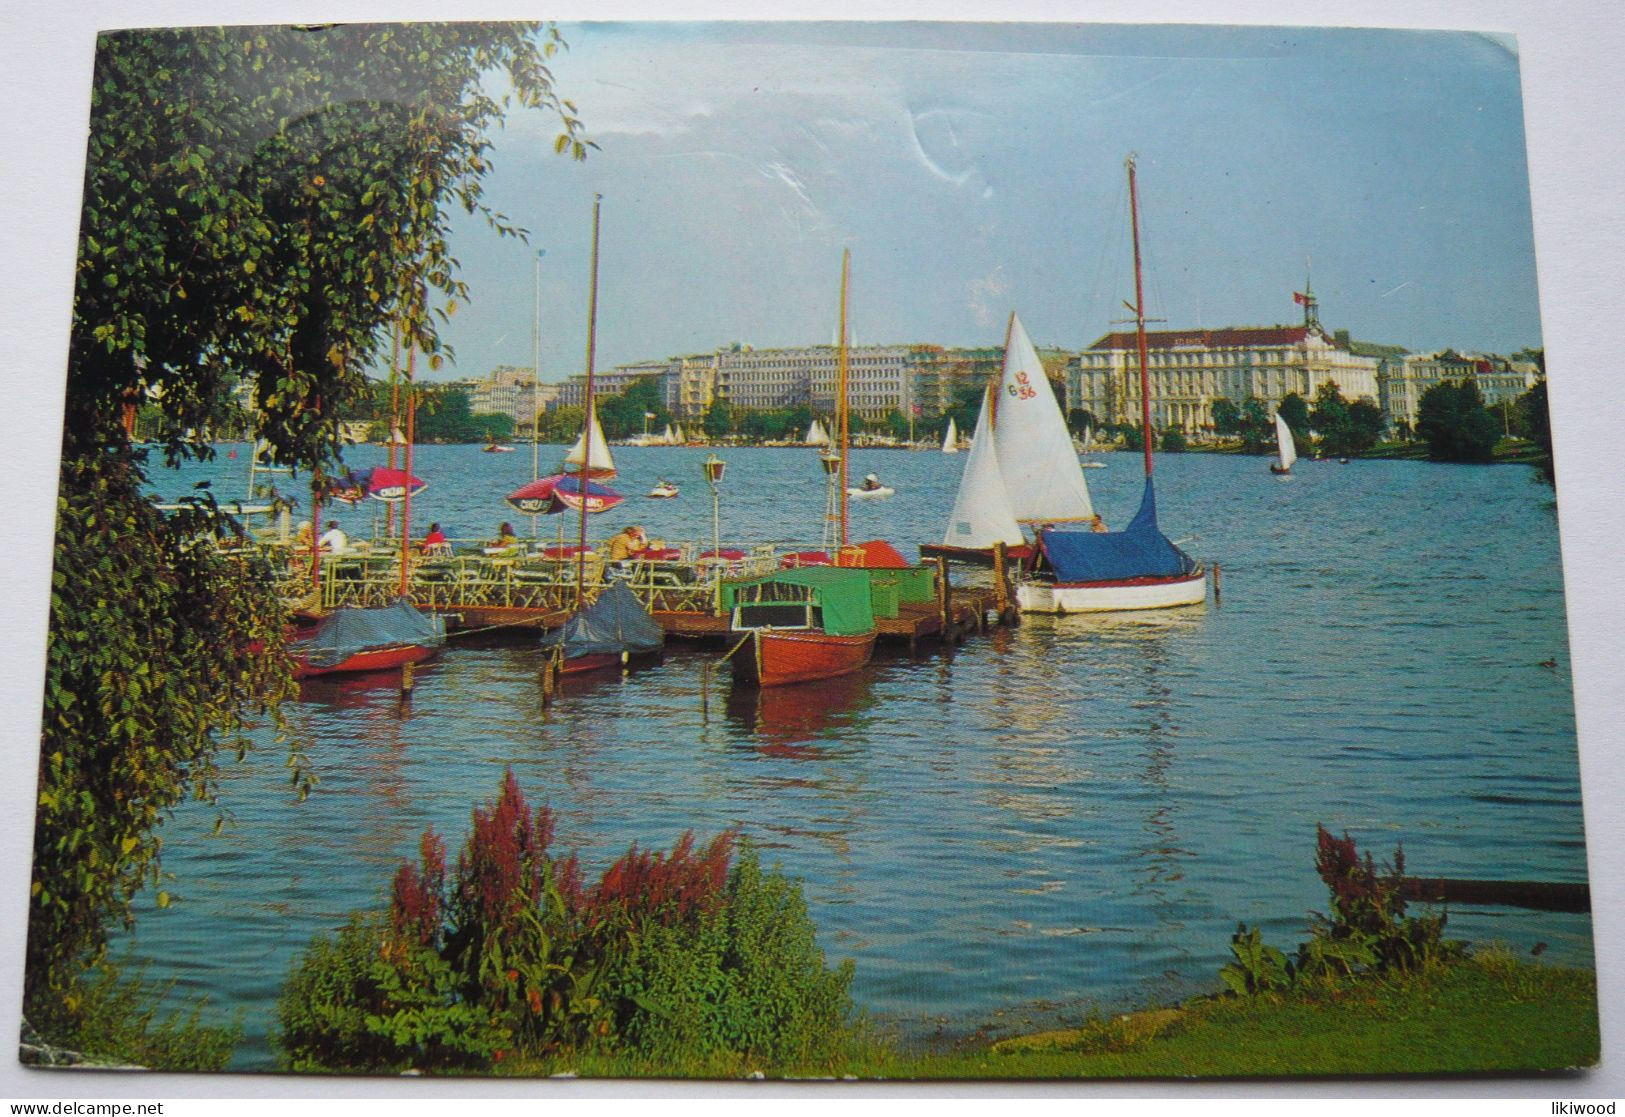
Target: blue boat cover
x: 1138, y: 551
x: 348, y: 630
x: 617, y: 622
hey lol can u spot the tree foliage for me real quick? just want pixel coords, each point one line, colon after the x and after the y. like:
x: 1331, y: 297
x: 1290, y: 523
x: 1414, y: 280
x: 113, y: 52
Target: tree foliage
x: 622, y: 415
x: 1535, y: 424
x: 162, y: 646
x: 1295, y: 411
x: 1452, y: 420
x: 1345, y: 428
x: 260, y: 205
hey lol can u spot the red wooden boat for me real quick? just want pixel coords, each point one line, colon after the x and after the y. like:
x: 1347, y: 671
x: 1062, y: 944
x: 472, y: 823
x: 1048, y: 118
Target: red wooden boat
x: 780, y: 657
x: 352, y: 640
x: 371, y: 659
x: 800, y: 625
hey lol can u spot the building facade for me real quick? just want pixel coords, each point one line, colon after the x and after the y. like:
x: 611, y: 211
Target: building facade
x: 1499, y: 379
x: 1189, y: 369
x: 512, y: 391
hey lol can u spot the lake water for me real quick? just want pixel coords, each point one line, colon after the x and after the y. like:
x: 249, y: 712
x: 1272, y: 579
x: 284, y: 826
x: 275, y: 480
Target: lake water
x: 1073, y: 812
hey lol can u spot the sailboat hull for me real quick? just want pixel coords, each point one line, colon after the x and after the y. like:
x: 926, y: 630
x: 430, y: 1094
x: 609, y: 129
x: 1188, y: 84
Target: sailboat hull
x: 368, y: 659
x: 1127, y: 595
x: 786, y: 657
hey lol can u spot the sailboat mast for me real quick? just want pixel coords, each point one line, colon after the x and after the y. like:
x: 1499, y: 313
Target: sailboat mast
x: 586, y: 436
x: 535, y: 380
x: 406, y: 498
x: 394, y: 412
x: 840, y: 388
x: 1139, y: 316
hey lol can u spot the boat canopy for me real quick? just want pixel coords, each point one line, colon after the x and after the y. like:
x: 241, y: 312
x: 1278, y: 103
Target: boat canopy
x: 842, y: 595
x: 1138, y: 551
x: 617, y: 622
x: 347, y: 631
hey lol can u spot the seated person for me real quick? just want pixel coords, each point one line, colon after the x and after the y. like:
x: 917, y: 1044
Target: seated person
x: 304, y: 537
x: 871, y: 483
x: 626, y: 543
x: 334, y: 541
x: 1097, y: 524
x: 505, y: 537
x: 435, y: 543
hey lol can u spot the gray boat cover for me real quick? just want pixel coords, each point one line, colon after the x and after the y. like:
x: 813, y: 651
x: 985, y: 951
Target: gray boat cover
x: 617, y: 622
x: 348, y: 630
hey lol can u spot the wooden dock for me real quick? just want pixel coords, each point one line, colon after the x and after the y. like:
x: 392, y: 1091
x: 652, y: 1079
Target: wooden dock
x: 483, y: 595
x: 970, y: 610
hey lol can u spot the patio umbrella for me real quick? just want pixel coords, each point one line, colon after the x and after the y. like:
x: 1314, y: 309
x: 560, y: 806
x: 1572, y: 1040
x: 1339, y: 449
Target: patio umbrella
x: 380, y: 483
x: 562, y: 491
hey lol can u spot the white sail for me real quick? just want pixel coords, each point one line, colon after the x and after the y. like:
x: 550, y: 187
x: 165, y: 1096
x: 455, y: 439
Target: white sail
x: 816, y: 435
x: 601, y: 465
x: 1036, y: 456
x: 950, y: 441
x: 1288, y: 450
x: 667, y: 437
x: 680, y: 438
x: 1088, y: 439
x: 982, y: 515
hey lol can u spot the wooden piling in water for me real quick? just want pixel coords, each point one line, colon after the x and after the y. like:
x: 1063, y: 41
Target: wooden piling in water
x: 407, y: 683
x: 1001, y: 585
x: 944, y: 596
x: 1538, y: 895
x: 1218, y: 584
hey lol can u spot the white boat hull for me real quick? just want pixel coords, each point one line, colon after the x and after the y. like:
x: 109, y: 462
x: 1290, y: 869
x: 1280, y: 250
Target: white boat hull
x: 881, y: 493
x: 1112, y: 597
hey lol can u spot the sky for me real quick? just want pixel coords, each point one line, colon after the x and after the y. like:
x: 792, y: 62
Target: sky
x: 978, y: 168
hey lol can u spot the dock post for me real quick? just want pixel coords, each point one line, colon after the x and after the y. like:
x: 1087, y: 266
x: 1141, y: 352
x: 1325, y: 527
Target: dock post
x: 1218, y: 585
x: 944, y: 596
x: 1001, y: 588
x: 406, y: 683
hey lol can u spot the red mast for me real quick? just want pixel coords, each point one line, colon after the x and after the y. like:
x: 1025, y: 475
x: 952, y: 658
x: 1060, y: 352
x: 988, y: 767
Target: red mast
x: 411, y: 437
x: 586, y: 434
x: 840, y: 390
x: 1139, y: 316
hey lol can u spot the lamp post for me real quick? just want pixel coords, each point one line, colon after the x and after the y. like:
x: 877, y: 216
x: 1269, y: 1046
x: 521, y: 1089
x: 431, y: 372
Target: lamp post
x: 714, y: 468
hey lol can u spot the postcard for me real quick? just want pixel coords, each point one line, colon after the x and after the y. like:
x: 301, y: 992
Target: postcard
x: 729, y: 550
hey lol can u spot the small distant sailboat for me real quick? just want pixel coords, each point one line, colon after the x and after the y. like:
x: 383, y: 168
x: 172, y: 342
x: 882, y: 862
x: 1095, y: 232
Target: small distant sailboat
x: 664, y: 490
x: 1286, y: 451
x: 950, y: 441
x: 668, y: 437
x: 1086, y: 445
x: 816, y: 435
x: 492, y: 446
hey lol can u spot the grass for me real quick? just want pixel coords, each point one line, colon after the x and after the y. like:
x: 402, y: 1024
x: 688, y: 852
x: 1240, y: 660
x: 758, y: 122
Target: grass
x: 1493, y: 1012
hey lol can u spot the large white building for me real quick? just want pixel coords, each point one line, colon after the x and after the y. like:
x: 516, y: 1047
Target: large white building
x: 1190, y: 369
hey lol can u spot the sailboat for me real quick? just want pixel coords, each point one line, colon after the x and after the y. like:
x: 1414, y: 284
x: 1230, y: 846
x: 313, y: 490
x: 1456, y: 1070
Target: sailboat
x: 1022, y: 467
x: 950, y: 441
x: 1286, y: 451
x: 816, y: 435
x: 1087, y: 446
x: 1137, y: 568
x: 816, y: 622
x: 616, y: 626
x: 355, y: 639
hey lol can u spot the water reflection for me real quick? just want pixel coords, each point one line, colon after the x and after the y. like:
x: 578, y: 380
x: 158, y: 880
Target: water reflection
x: 799, y: 722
